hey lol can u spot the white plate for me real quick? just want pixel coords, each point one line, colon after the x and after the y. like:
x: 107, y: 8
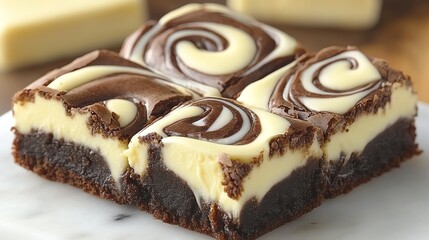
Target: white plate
x: 393, y: 206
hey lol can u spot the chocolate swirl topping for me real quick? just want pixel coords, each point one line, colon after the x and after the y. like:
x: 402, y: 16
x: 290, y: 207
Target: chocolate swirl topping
x: 210, y: 49
x: 319, y: 83
x: 120, y: 93
x: 221, y: 121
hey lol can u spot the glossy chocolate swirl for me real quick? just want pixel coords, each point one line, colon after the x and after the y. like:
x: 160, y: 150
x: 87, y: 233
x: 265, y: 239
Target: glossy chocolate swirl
x: 334, y: 80
x: 118, y: 91
x: 210, y: 49
x: 220, y: 121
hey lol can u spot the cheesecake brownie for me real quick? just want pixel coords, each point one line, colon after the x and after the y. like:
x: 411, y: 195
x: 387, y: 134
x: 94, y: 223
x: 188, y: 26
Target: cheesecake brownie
x: 73, y: 124
x: 210, y: 49
x: 232, y: 172
x: 365, y: 109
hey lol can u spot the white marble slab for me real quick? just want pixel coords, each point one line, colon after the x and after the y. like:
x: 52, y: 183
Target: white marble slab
x: 394, y: 206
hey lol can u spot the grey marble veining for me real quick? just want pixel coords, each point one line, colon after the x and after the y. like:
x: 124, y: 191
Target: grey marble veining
x: 394, y: 206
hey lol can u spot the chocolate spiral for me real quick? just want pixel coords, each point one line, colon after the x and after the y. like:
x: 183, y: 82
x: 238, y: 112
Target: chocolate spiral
x: 219, y: 50
x: 334, y: 80
x: 221, y: 121
x: 113, y: 87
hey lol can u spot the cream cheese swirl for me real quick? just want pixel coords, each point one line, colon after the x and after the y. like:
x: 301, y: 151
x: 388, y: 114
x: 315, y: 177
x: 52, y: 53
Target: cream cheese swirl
x: 334, y: 80
x: 118, y: 89
x: 344, y: 78
x: 220, y: 121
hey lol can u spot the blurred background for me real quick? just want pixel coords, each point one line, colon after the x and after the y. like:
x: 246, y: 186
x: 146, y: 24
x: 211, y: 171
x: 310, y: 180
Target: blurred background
x: 401, y: 36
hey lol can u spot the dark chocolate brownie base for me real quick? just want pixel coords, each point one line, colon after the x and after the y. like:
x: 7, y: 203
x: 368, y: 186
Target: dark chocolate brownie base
x: 391, y: 147
x: 169, y: 198
x: 65, y: 162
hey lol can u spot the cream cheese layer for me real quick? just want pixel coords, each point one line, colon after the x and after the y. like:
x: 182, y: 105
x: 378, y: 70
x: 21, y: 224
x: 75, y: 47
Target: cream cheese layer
x: 50, y: 116
x: 197, y: 161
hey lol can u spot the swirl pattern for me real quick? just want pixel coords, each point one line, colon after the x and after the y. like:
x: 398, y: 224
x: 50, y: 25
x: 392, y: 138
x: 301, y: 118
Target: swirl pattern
x: 210, y: 49
x: 220, y: 121
x: 331, y: 77
x: 112, y: 86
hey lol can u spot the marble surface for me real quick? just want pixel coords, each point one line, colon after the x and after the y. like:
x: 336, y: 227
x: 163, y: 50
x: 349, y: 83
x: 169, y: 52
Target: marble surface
x: 394, y: 206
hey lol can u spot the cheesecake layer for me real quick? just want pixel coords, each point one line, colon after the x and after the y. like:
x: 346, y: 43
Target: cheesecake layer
x: 366, y: 127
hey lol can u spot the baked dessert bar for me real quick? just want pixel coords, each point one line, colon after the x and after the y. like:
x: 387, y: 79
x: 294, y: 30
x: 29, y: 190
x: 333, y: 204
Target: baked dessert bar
x: 220, y: 168
x: 73, y: 124
x: 365, y: 109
